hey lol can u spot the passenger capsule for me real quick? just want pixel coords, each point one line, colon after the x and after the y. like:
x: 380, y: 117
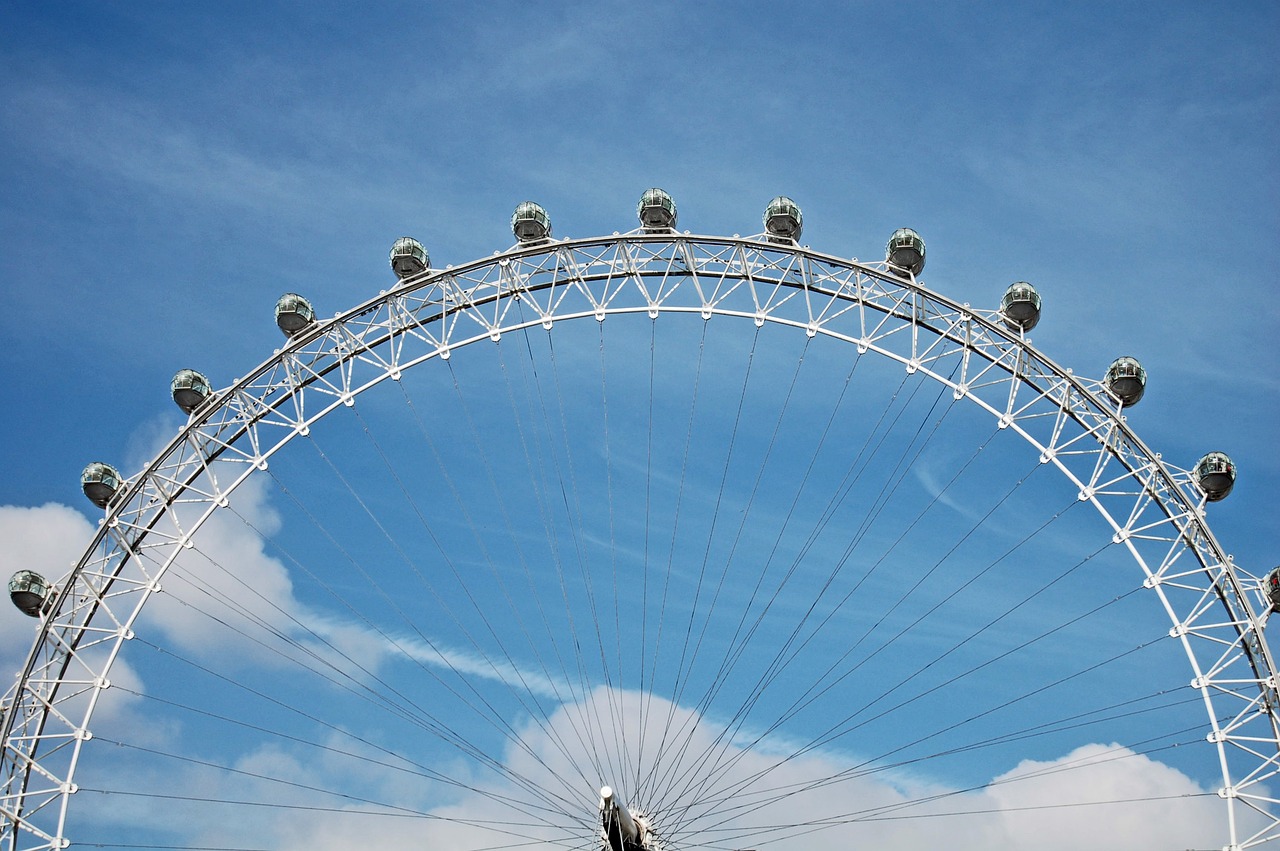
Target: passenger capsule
x: 1126, y: 381
x: 408, y: 257
x: 100, y: 483
x: 190, y: 389
x: 783, y: 220
x: 1216, y: 475
x: 1020, y: 307
x: 530, y: 223
x: 28, y: 591
x: 656, y: 211
x: 1271, y: 585
x: 294, y: 314
x: 906, y: 251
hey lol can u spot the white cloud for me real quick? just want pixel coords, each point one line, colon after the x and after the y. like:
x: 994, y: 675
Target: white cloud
x: 1036, y: 803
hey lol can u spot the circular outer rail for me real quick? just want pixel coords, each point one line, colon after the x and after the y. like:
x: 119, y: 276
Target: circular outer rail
x: 1216, y: 610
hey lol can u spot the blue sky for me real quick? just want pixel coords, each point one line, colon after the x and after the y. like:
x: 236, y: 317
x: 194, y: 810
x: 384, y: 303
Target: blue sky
x: 170, y: 171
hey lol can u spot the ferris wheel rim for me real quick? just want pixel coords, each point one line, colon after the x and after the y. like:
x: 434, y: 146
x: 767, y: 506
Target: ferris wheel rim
x: 297, y: 346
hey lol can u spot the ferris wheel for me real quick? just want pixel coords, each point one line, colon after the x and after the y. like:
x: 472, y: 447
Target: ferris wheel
x: 644, y: 541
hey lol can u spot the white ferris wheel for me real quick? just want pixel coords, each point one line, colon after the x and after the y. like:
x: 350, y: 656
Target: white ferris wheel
x: 643, y: 541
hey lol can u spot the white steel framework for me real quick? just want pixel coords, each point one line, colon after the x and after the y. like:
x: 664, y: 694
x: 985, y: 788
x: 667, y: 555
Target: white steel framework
x: 1156, y: 511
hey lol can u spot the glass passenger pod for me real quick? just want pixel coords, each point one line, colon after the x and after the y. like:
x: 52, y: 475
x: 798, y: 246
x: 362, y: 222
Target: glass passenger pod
x: 190, y: 389
x: 783, y: 220
x: 906, y: 251
x: 656, y: 211
x: 29, y: 591
x: 1271, y: 586
x: 1215, y: 474
x: 1126, y: 381
x: 408, y: 257
x: 100, y: 483
x: 294, y: 314
x: 1020, y: 307
x: 530, y: 223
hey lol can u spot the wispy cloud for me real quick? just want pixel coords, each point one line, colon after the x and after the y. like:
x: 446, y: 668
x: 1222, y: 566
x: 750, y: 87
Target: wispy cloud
x: 518, y: 678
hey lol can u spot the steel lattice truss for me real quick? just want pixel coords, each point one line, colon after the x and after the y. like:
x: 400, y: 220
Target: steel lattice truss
x: 1217, y: 611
